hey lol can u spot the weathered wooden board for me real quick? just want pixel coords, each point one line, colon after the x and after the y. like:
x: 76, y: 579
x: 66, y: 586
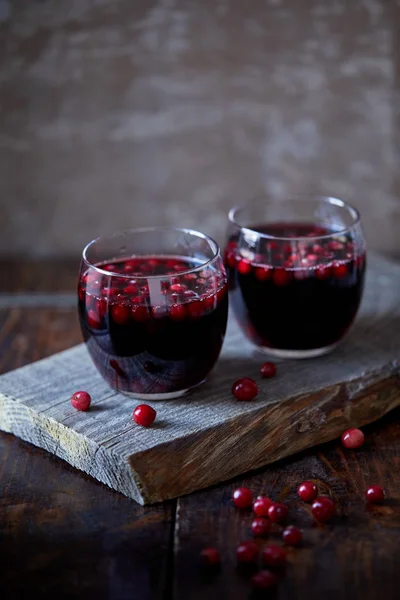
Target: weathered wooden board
x: 209, y: 437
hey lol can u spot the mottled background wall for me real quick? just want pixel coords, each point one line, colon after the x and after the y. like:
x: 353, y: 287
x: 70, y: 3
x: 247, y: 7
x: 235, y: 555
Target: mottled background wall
x: 120, y: 113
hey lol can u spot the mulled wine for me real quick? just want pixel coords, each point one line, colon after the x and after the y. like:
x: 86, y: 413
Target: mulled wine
x: 295, y: 288
x: 153, y: 324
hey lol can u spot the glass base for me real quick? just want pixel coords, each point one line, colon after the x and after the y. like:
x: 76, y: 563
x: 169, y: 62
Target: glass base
x: 313, y: 353
x: 166, y: 396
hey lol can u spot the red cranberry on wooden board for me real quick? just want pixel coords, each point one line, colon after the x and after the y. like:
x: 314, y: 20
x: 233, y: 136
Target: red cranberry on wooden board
x: 268, y: 370
x: 261, y: 505
x: 242, y: 497
x: 247, y: 552
x: 292, y: 536
x: 352, y: 438
x: 374, y: 494
x: 245, y: 389
x: 278, y: 512
x: 264, y: 580
x: 210, y: 556
x: 261, y: 526
x: 322, y: 509
x: 307, y: 491
x: 273, y: 555
x: 81, y: 400
x: 144, y: 415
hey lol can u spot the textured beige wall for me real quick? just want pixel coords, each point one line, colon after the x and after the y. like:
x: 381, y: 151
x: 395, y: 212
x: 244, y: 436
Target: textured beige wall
x: 118, y: 113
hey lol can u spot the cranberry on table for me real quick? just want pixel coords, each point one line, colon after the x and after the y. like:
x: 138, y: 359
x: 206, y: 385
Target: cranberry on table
x: 245, y: 389
x: 307, y: 491
x: 292, y: 536
x: 261, y: 526
x: 268, y: 370
x: 210, y: 556
x: 264, y: 580
x: 278, y: 512
x: 247, y: 552
x: 261, y: 505
x: 273, y: 555
x: 374, y: 494
x: 323, y: 509
x: 144, y: 415
x: 242, y: 497
x: 352, y: 438
x: 81, y: 400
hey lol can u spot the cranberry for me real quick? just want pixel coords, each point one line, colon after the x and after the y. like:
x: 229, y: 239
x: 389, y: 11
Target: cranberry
x: 312, y: 258
x: 307, y: 491
x: 268, y: 369
x: 244, y: 267
x: 130, y: 290
x: 242, y: 497
x: 263, y: 273
x: 375, y: 494
x: 177, y: 312
x: 144, y: 415
x: 339, y: 270
x: 210, y: 556
x: 247, y: 552
x: 120, y: 313
x: 264, y: 580
x: 322, y: 509
x: 281, y: 277
x: 335, y: 245
x: 261, y: 506
x: 196, y: 309
x: 230, y: 259
x: 111, y: 268
x: 323, y: 271
x: 273, y: 555
x: 261, y: 527
x: 93, y: 319
x: 139, y: 313
x: 81, y: 400
x: 245, y: 389
x: 278, y: 512
x: 353, y: 438
x: 292, y: 536
x: 179, y: 288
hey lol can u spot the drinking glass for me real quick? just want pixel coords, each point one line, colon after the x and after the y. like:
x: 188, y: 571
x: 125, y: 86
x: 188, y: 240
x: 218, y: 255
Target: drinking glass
x: 153, y: 308
x: 296, y: 272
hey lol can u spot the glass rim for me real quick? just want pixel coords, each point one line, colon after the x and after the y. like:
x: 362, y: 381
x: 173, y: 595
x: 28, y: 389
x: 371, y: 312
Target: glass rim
x: 354, y: 213
x: 211, y: 242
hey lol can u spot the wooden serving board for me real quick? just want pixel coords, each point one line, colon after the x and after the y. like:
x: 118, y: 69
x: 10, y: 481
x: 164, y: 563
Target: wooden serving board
x: 208, y: 436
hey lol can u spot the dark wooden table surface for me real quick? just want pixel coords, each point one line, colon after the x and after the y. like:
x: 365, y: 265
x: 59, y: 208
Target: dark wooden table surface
x: 64, y: 535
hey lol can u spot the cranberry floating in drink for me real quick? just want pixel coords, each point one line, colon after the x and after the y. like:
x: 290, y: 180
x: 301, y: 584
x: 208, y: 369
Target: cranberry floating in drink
x: 153, y: 308
x: 296, y: 273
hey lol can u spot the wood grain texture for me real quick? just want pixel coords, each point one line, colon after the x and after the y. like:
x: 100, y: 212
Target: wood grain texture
x: 355, y: 556
x: 308, y: 403
x: 62, y: 533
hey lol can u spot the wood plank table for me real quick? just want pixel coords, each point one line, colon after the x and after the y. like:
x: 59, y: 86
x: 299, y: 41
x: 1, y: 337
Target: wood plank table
x: 64, y: 535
